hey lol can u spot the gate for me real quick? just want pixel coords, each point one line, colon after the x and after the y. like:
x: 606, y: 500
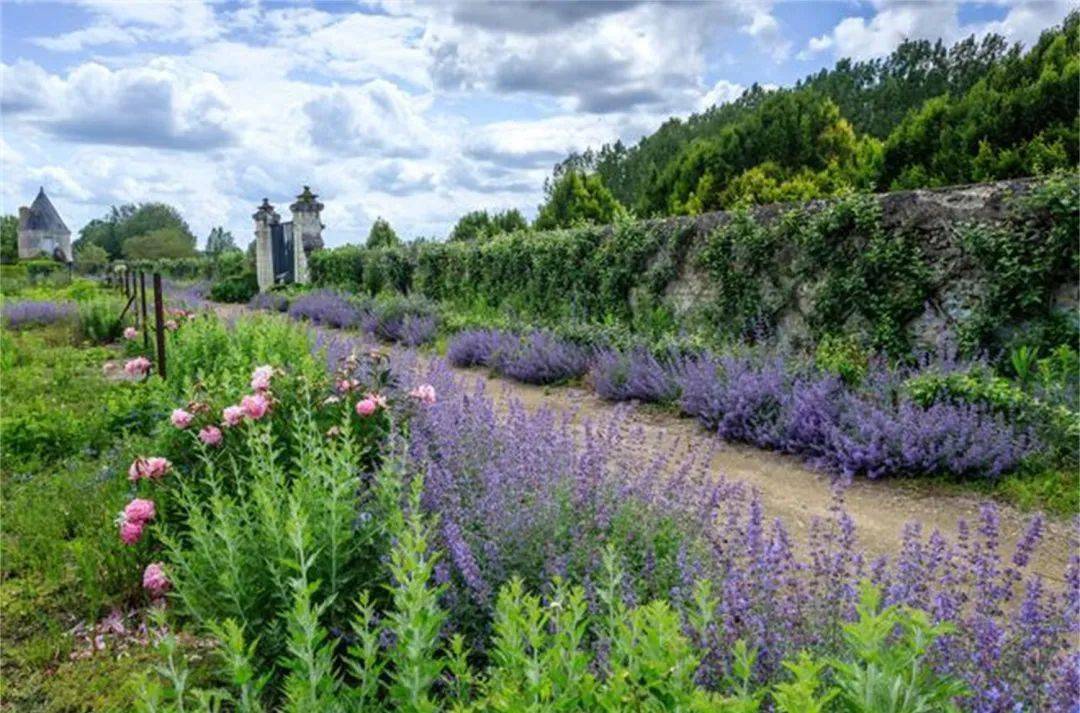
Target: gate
x: 281, y: 253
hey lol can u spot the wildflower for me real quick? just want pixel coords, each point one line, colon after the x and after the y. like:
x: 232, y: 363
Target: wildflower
x: 424, y: 393
x: 153, y: 468
x: 131, y: 334
x: 181, y: 418
x: 139, y: 511
x: 260, y: 378
x: 211, y: 435
x: 139, y: 366
x: 154, y: 580
x: 331, y: 400
x: 233, y: 415
x: 379, y: 400
x: 366, y: 407
x: 130, y: 532
x: 171, y: 325
x: 347, y: 385
x: 255, y: 406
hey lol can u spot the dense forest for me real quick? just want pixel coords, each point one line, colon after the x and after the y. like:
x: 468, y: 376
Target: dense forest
x: 926, y: 115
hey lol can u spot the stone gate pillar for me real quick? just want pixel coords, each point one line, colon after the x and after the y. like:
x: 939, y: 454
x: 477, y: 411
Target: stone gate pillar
x: 264, y: 261
x: 307, y: 232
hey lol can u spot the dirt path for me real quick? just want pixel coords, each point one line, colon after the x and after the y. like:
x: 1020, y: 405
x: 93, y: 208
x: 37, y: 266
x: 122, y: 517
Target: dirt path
x: 789, y: 489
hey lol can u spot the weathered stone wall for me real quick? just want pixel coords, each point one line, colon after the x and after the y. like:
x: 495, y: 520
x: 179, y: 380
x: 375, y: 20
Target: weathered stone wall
x: 931, y: 216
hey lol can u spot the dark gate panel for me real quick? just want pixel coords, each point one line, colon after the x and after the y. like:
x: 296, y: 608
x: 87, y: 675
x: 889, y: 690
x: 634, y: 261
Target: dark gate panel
x: 281, y: 253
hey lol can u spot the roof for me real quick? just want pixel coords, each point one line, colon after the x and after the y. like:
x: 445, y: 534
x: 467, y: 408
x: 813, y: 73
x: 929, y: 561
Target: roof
x: 43, y: 215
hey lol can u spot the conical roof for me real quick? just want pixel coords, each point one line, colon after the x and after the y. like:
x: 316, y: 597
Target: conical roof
x: 43, y: 215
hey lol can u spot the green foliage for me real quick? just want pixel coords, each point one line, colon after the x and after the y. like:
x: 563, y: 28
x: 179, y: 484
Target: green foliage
x: 90, y: 258
x: 99, y: 320
x: 1022, y: 262
x: 9, y: 239
x: 926, y: 115
x: 888, y: 672
x: 843, y: 356
x: 129, y: 221
x: 479, y: 225
x: 239, y: 287
x: 168, y: 242
x: 578, y: 199
x: 382, y: 235
x: 220, y: 241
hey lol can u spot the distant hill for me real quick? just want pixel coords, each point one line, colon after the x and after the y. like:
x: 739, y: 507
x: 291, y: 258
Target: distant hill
x: 926, y: 115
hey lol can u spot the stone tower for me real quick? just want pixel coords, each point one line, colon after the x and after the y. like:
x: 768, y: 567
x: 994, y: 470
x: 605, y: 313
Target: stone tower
x: 307, y: 231
x: 265, y: 217
x: 42, y: 232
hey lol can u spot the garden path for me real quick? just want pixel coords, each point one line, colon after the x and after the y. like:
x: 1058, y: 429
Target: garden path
x: 791, y: 490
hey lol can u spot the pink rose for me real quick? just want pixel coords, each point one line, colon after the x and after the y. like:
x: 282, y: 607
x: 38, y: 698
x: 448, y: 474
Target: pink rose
x: 156, y: 467
x: 139, y: 511
x: 181, y: 418
x: 154, y: 580
x: 211, y: 435
x: 233, y: 415
x: 379, y: 400
x: 130, y: 532
x: 131, y: 334
x: 260, y: 378
x: 139, y: 366
x: 255, y: 406
x: 153, y: 468
x: 424, y: 393
x: 366, y: 407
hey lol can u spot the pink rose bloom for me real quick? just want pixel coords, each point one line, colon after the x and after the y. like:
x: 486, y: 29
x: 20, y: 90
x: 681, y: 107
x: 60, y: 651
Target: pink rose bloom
x: 130, y: 532
x: 424, y: 393
x: 181, y: 418
x: 154, y: 580
x: 156, y: 467
x: 379, y: 400
x: 211, y: 435
x: 171, y: 325
x: 260, y: 378
x: 139, y: 366
x: 366, y: 407
x: 233, y: 415
x: 135, y: 471
x: 139, y: 511
x: 255, y: 406
x: 131, y: 334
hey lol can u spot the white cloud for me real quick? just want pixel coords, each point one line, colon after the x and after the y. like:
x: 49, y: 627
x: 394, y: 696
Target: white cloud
x: 721, y: 93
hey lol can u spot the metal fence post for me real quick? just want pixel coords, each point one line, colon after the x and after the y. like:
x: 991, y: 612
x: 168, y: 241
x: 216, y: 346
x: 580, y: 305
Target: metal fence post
x: 159, y: 324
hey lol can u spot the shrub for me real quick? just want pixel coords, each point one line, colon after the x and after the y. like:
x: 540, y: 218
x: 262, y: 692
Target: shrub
x: 408, y: 320
x: 636, y: 374
x: 326, y: 307
x: 99, y: 320
x: 235, y: 288
x: 36, y: 313
x: 476, y: 347
x: 270, y: 302
x: 539, y: 358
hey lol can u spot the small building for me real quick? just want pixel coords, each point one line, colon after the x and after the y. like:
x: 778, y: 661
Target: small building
x: 42, y: 232
x: 277, y: 259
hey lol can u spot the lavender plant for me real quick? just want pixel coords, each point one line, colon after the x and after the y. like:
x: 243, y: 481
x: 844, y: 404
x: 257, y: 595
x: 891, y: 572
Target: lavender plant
x: 539, y: 358
x: 36, y: 313
x: 636, y: 374
x: 326, y: 307
x: 269, y: 302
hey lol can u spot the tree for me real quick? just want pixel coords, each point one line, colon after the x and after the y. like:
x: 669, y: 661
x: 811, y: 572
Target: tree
x: 90, y: 258
x: 478, y: 225
x: 128, y: 221
x: 578, y: 198
x: 382, y: 235
x: 9, y: 239
x: 161, y: 243
x: 220, y: 241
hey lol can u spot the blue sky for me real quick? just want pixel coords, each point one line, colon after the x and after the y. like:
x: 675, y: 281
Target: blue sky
x: 411, y: 111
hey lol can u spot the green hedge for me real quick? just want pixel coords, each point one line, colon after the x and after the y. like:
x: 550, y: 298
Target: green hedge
x: 835, y: 264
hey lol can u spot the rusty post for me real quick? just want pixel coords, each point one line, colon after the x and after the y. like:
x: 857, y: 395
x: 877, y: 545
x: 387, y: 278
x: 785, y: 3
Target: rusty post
x: 159, y: 324
x: 145, y: 324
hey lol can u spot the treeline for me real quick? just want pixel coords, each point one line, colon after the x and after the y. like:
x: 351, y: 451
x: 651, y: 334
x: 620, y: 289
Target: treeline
x: 924, y: 116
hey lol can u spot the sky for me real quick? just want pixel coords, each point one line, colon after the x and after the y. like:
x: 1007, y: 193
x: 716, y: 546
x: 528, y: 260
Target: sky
x: 415, y: 112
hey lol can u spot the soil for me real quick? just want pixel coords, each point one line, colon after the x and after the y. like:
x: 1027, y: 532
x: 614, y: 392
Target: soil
x: 790, y: 490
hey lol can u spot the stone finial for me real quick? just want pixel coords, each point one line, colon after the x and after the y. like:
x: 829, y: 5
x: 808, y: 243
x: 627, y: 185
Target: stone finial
x: 306, y: 202
x: 265, y: 212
